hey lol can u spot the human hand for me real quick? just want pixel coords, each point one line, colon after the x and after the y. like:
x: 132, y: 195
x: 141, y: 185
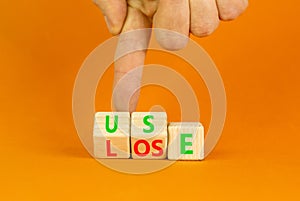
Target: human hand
x: 199, y: 17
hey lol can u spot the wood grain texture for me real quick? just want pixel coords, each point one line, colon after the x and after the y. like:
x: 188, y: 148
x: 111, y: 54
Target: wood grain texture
x: 186, y: 141
x: 149, y: 135
x: 112, y: 135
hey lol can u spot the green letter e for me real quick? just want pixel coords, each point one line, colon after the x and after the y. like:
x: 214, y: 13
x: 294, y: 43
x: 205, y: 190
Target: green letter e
x: 184, y: 144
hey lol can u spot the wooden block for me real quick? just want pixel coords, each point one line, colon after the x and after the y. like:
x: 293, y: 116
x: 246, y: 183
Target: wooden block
x: 186, y: 141
x: 149, y: 135
x: 112, y: 135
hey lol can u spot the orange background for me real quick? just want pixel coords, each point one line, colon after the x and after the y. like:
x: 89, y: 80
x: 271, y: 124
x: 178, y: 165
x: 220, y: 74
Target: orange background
x: 42, y: 46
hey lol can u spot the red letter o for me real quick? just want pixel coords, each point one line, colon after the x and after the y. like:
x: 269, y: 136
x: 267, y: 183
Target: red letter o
x: 136, y: 148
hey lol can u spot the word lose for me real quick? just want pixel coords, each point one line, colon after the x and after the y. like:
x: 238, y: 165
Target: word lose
x: 146, y: 135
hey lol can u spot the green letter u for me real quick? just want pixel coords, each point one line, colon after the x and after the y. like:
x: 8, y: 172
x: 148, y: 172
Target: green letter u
x: 108, y: 129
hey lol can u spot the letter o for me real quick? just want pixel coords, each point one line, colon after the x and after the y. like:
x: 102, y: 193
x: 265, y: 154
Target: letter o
x: 136, y: 148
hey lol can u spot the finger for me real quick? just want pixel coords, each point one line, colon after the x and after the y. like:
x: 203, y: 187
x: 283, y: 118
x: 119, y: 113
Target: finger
x: 114, y: 12
x: 126, y: 95
x: 204, y: 17
x: 172, y: 15
x: 231, y: 9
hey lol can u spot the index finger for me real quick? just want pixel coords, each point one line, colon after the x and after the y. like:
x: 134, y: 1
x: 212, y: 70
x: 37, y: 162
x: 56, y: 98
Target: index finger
x: 126, y: 95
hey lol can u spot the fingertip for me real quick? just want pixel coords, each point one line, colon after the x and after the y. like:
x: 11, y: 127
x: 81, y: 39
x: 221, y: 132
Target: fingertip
x: 171, y: 40
x: 172, y: 24
x: 204, y: 17
x: 129, y: 105
x: 230, y: 10
x: 204, y: 30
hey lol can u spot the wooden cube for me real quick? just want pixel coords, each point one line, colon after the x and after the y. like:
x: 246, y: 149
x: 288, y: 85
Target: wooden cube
x: 112, y: 135
x: 186, y: 141
x: 149, y: 135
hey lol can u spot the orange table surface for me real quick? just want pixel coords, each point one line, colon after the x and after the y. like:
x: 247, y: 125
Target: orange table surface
x: 42, y: 46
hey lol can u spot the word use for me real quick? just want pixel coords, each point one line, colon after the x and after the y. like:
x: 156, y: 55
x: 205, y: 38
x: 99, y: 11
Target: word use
x: 146, y: 135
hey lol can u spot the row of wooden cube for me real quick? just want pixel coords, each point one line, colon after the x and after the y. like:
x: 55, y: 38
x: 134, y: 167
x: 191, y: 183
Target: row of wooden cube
x: 146, y: 135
